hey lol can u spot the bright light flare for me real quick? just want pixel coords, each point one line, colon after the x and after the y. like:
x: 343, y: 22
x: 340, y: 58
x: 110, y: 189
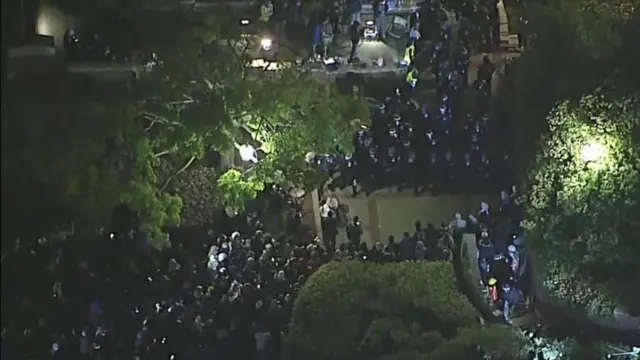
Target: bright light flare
x: 266, y: 43
x: 369, y: 22
x: 245, y: 22
x: 248, y: 153
x: 593, y: 152
x: 329, y: 61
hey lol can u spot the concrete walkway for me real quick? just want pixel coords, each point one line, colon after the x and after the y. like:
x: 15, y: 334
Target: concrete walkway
x: 550, y: 313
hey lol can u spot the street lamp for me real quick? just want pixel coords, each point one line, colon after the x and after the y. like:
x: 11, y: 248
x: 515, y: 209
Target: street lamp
x: 593, y: 152
x: 266, y: 44
x: 248, y: 153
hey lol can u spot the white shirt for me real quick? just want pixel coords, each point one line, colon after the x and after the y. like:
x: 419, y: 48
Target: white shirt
x: 324, y: 210
x: 332, y: 202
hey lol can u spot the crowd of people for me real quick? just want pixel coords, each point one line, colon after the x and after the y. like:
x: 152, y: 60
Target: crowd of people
x: 322, y: 22
x: 502, y: 258
x: 223, y: 294
x: 432, y: 135
x: 112, y: 296
x: 440, y: 145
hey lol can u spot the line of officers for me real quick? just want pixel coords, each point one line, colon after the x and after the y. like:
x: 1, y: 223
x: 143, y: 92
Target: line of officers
x: 439, y: 31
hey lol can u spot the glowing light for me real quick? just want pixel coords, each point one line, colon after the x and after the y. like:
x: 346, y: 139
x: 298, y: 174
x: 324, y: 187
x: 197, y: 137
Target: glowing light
x: 369, y: 22
x: 46, y: 23
x: 329, y: 61
x: 245, y: 22
x: 266, y: 43
x: 248, y: 153
x: 268, y: 65
x: 593, y: 152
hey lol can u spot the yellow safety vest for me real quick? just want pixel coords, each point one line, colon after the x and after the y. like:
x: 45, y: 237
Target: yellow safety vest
x: 412, y: 77
x: 409, y: 54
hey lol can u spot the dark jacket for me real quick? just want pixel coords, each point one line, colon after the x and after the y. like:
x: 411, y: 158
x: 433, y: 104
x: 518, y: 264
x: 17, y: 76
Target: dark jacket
x: 354, y: 233
x: 500, y: 270
x: 355, y: 33
x: 485, y: 250
x: 513, y: 296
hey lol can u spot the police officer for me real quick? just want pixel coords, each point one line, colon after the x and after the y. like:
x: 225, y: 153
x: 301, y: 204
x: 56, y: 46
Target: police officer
x: 500, y: 269
x: 409, y: 53
x: 354, y: 231
x: 412, y: 79
x: 486, y: 254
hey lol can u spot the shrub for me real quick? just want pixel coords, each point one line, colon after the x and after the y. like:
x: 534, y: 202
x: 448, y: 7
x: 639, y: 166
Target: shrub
x: 497, y: 340
x: 416, y: 304
x: 328, y: 311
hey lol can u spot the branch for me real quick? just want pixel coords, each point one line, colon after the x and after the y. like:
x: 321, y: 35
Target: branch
x: 265, y: 122
x: 162, y: 153
x: 153, y: 122
x: 182, y: 169
x: 155, y: 119
x: 240, y: 56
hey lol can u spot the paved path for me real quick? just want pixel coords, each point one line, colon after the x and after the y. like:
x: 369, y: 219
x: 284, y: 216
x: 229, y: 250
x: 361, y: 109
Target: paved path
x: 548, y: 312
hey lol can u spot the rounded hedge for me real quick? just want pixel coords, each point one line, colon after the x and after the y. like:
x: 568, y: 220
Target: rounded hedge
x: 347, y: 306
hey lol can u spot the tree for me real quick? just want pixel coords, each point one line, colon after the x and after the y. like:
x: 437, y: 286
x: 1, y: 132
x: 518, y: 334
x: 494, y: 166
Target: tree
x: 59, y: 158
x: 408, y: 310
x: 235, y: 190
x: 596, y: 36
x: 183, y: 101
x: 194, y: 96
x: 193, y: 103
x: 583, y: 201
x: 291, y: 116
x: 599, y: 25
x: 199, y: 193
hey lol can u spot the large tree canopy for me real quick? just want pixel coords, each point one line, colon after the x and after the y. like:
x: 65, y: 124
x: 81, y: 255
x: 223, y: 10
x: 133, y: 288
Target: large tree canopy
x: 575, y: 47
x: 584, y: 201
x: 291, y: 117
x: 60, y: 151
x: 409, y: 310
x: 132, y: 144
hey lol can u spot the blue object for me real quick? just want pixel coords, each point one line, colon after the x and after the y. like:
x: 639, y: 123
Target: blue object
x: 317, y: 34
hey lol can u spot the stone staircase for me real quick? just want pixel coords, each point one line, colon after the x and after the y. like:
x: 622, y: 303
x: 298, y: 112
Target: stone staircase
x: 508, y: 41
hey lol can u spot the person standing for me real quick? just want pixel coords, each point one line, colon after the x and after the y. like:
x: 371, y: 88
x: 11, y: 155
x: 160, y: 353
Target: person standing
x: 486, y: 254
x: 355, y: 8
x: 409, y: 54
x: 511, y: 297
x: 380, y: 9
x: 266, y: 11
x: 355, y: 33
x: 412, y: 79
x: 330, y: 230
x: 316, y: 40
x: 327, y: 37
x: 355, y: 231
x: 414, y: 18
